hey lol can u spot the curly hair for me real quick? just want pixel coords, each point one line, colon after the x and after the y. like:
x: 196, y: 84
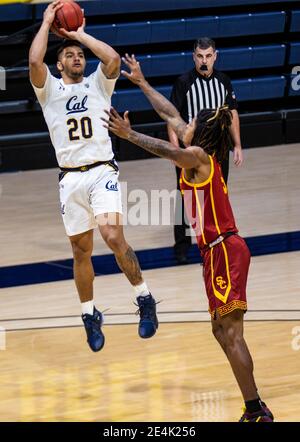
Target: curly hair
x: 212, y: 131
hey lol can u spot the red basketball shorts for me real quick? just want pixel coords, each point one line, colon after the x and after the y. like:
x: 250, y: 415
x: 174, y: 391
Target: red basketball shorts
x: 225, y: 271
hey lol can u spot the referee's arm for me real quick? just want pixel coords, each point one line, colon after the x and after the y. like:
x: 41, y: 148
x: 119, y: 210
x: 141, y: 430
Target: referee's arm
x: 236, y: 137
x: 235, y: 126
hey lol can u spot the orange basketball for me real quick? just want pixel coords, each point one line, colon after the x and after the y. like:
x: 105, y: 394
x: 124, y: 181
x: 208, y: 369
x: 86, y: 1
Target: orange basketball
x: 69, y: 17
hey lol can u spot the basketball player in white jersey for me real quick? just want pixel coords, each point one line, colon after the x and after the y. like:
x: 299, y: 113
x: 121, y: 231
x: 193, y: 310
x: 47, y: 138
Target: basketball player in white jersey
x: 89, y: 188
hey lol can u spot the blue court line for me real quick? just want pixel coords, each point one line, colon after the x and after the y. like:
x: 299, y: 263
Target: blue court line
x: 36, y: 273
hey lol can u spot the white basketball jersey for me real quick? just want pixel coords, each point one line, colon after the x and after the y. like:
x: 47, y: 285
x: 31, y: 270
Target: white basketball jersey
x: 72, y: 113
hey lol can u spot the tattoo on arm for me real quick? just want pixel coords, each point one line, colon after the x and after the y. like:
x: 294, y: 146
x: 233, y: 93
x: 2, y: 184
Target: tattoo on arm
x: 184, y: 158
x: 130, y: 266
x: 180, y: 128
x: 156, y: 146
x: 166, y: 110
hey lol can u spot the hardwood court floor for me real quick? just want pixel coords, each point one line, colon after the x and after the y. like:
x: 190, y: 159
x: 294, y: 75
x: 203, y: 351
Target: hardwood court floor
x: 179, y: 375
x: 273, y: 294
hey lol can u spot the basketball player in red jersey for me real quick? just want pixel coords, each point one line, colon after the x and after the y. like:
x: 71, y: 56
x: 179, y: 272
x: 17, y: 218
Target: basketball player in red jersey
x: 226, y: 257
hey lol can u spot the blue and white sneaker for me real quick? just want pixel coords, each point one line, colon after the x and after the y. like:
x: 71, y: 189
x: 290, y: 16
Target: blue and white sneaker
x: 92, y: 324
x: 148, y: 319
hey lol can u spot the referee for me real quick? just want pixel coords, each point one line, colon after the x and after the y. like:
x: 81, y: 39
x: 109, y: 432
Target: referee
x: 202, y: 88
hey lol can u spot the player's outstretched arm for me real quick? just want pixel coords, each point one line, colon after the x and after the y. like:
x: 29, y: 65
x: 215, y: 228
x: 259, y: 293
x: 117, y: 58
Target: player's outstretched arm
x: 161, y: 105
x: 38, y: 49
x: 184, y: 158
x: 110, y: 59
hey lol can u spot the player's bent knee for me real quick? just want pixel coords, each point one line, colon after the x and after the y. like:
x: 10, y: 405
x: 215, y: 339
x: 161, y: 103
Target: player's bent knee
x: 114, y: 241
x: 81, y: 253
x: 233, y: 336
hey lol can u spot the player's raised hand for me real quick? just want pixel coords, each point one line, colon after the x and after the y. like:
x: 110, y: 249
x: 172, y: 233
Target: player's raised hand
x: 135, y: 75
x: 50, y: 11
x: 73, y: 35
x: 116, y: 124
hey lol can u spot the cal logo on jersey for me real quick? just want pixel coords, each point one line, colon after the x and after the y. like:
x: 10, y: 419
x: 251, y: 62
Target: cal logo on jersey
x: 112, y: 186
x: 74, y: 105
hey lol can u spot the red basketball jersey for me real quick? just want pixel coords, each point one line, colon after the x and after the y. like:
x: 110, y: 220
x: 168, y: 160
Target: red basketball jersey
x: 207, y: 205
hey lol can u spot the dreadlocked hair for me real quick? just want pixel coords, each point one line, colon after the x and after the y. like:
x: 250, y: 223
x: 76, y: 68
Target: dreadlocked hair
x: 212, y: 132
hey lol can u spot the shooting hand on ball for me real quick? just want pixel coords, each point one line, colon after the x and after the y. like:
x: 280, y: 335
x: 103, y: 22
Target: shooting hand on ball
x: 50, y: 11
x: 73, y: 35
x: 135, y: 75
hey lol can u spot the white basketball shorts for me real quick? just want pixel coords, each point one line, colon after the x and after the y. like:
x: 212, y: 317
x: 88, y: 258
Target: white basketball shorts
x: 84, y: 195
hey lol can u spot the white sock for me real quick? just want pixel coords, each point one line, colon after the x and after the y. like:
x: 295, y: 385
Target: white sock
x: 87, y: 307
x: 141, y: 290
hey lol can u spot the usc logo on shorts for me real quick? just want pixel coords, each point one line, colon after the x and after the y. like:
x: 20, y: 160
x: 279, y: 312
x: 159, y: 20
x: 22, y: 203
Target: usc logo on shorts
x: 221, y: 283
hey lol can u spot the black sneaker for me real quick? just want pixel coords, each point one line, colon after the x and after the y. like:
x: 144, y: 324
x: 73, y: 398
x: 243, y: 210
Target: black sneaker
x: 266, y: 410
x: 92, y: 324
x: 263, y: 415
x: 148, y: 319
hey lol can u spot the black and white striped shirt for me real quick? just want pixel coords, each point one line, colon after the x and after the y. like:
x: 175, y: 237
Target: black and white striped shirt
x: 193, y: 92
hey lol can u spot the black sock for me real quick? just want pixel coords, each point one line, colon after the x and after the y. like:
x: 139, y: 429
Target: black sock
x: 253, y: 406
x: 260, y: 399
